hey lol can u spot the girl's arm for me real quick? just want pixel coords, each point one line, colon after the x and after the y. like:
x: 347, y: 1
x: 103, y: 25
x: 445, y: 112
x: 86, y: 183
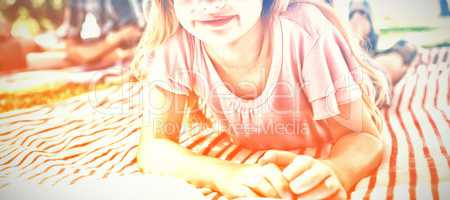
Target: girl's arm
x: 356, y: 153
x: 358, y: 149
x: 160, y: 153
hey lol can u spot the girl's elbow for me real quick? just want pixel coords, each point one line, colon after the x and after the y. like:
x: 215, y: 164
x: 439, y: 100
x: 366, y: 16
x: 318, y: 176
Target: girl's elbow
x: 142, y: 157
x: 149, y: 155
x: 380, y: 149
x: 146, y: 154
x: 377, y: 144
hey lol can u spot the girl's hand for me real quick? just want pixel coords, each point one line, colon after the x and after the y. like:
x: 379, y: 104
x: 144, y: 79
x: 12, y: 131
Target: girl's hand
x: 253, y: 181
x: 257, y: 198
x: 313, y: 179
x: 308, y: 178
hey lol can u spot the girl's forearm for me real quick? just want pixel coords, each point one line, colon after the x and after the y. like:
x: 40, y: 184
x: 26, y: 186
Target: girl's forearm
x: 355, y: 156
x: 165, y: 157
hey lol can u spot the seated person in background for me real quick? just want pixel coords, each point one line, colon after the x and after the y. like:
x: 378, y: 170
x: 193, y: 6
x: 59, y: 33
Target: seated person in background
x: 392, y: 62
x: 395, y: 60
x: 108, y: 33
x: 95, y: 34
x: 13, y: 50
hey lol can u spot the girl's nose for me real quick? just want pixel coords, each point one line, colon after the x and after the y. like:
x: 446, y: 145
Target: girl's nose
x: 211, y: 6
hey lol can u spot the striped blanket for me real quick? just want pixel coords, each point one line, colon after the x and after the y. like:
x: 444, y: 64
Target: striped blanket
x: 95, y: 136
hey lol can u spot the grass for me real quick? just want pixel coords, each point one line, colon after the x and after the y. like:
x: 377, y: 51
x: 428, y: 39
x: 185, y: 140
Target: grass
x: 427, y: 36
x: 406, y: 29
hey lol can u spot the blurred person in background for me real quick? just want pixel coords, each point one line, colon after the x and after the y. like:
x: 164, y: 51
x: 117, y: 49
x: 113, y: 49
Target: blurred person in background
x: 392, y: 62
x: 359, y: 14
x: 13, y: 50
x: 94, y: 34
x: 444, y: 8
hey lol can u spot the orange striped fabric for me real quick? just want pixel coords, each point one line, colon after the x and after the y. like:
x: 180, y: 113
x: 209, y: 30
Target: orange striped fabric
x: 95, y: 136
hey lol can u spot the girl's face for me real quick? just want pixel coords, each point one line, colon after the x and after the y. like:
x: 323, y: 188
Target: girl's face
x: 218, y: 21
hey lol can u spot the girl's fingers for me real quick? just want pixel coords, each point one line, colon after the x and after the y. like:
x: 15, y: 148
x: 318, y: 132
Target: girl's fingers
x: 242, y: 192
x: 309, y: 179
x: 257, y: 198
x: 297, y: 166
x: 276, y: 178
x: 326, y: 189
x: 279, y: 158
x: 339, y: 195
x: 261, y: 186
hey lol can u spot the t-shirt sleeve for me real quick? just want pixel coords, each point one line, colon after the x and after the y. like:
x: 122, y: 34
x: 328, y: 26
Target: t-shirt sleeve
x: 168, y: 66
x: 330, y: 74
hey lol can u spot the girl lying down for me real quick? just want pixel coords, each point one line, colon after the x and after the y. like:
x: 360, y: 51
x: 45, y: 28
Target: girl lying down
x: 273, y: 81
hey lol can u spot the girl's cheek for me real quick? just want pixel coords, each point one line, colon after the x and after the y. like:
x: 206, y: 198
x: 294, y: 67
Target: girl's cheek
x: 244, y: 3
x: 183, y: 1
x: 245, y: 7
x: 184, y: 4
x: 182, y: 11
x: 185, y: 7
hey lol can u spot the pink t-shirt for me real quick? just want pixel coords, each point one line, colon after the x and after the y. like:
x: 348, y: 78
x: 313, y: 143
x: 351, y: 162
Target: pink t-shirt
x: 312, y: 72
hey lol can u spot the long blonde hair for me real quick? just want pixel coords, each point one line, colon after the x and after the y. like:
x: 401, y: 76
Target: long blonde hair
x: 162, y: 24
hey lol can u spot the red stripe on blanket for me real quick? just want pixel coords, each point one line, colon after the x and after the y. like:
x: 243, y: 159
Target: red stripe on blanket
x: 212, y: 144
x: 392, y: 159
x: 420, y: 131
x: 14, y: 114
x: 434, y: 115
x: 411, y: 154
x: 43, y: 132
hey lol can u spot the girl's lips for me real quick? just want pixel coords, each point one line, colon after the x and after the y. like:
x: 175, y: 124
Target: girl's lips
x: 217, y: 21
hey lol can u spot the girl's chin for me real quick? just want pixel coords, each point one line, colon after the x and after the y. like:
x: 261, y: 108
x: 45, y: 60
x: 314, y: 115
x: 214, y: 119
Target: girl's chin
x: 217, y: 39
x: 216, y: 42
